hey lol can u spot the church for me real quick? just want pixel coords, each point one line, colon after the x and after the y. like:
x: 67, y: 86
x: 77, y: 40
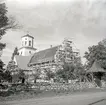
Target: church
x: 26, y: 51
x: 29, y: 59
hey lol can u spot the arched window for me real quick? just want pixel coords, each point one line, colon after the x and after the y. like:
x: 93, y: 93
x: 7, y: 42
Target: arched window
x: 29, y: 43
x: 30, y: 52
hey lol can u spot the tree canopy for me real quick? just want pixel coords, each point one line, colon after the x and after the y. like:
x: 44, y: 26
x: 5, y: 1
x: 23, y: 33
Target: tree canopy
x: 15, y: 53
x: 6, y: 22
x: 96, y: 53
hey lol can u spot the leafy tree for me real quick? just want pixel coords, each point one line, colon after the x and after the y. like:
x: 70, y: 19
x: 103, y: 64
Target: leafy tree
x: 15, y: 53
x: 103, y: 42
x: 1, y: 65
x: 67, y: 72
x: 80, y: 72
x: 5, y: 24
x: 36, y: 74
x: 21, y: 76
x: 1, y: 70
x: 96, y: 53
x: 7, y: 76
x: 4, y: 74
x: 11, y: 66
x: 49, y: 74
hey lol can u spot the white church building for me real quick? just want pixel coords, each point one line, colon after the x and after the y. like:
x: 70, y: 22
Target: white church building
x: 29, y: 59
x: 26, y: 51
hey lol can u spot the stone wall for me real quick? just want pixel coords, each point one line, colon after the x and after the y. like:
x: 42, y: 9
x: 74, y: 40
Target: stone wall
x: 64, y: 87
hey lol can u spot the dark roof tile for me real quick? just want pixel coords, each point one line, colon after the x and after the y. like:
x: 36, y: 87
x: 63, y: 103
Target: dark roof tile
x: 44, y: 55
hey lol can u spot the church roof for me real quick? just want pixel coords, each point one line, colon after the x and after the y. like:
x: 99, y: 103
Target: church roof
x: 44, y: 56
x: 28, y: 36
x: 22, y: 62
x: 96, y: 68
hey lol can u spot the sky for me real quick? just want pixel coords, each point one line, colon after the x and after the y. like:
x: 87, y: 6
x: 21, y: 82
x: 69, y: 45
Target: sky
x: 50, y: 21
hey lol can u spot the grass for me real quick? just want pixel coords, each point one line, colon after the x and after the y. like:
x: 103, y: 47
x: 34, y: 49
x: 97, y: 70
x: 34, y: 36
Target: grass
x: 40, y: 94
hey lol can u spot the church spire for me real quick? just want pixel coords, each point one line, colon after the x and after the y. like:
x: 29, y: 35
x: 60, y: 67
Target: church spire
x: 27, y: 45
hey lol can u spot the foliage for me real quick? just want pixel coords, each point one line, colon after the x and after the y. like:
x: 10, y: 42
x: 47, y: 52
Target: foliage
x: 67, y: 72
x: 2, y: 46
x: 96, y: 53
x: 49, y: 74
x: 18, y: 76
x: 36, y: 74
x: 71, y: 61
x: 3, y: 19
x: 1, y: 65
x: 11, y: 65
x: 103, y: 42
x: 5, y: 22
x: 7, y: 76
x: 21, y: 74
x: 15, y: 53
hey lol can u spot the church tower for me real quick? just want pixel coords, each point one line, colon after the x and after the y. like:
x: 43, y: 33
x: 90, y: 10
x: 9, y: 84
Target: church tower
x: 27, y: 45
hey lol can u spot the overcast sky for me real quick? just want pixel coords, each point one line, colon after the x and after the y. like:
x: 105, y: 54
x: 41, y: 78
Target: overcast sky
x: 50, y: 21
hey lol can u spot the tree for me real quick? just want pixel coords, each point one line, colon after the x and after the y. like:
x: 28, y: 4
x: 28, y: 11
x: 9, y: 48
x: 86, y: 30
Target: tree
x: 15, y: 53
x: 96, y: 53
x: 80, y: 72
x: 103, y: 42
x: 11, y: 66
x: 6, y: 22
x: 67, y: 72
x: 36, y: 74
x: 2, y: 46
x: 49, y: 74
x: 7, y: 76
x: 21, y: 76
x: 1, y: 65
x: 1, y: 70
x: 4, y: 74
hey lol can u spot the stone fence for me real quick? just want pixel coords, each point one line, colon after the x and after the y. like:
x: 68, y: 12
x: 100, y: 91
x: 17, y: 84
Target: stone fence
x: 54, y: 86
x: 64, y: 87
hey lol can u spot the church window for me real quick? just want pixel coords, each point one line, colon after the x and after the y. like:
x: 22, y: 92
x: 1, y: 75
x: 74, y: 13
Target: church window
x: 29, y: 43
x: 22, y: 43
x: 21, y: 53
x: 25, y: 42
